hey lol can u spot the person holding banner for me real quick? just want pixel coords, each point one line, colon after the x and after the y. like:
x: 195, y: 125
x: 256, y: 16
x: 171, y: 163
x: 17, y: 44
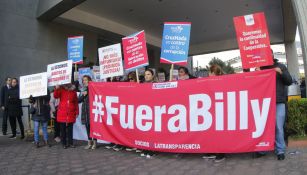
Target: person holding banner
x: 85, y: 114
x: 215, y: 70
x: 40, y: 110
x: 68, y: 111
x: 4, y: 92
x: 15, y: 109
x: 131, y: 77
x: 184, y: 74
x: 283, y: 80
x: 149, y: 76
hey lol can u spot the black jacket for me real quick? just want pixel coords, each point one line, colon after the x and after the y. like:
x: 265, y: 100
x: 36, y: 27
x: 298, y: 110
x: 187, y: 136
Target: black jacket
x: 282, y: 81
x: 85, y: 109
x: 41, y: 111
x: 13, y: 103
x: 4, y: 95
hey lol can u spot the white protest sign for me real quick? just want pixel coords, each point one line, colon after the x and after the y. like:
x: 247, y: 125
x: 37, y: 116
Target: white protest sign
x: 59, y: 73
x: 110, y: 61
x: 35, y: 85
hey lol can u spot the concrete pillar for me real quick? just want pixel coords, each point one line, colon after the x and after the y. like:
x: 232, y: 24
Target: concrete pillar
x: 300, y: 10
x: 292, y: 60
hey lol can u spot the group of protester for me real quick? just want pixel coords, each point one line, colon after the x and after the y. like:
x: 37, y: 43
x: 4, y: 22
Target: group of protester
x: 62, y: 105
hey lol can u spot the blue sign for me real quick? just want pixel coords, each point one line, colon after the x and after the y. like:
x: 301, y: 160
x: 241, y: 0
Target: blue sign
x: 82, y: 72
x: 175, y: 43
x: 75, y: 49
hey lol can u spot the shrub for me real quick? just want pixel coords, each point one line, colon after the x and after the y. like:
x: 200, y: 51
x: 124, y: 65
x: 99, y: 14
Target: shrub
x: 297, y: 117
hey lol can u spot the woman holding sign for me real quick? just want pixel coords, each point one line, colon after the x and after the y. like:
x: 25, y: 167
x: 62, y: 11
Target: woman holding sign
x: 85, y: 114
x: 40, y: 110
x: 68, y: 111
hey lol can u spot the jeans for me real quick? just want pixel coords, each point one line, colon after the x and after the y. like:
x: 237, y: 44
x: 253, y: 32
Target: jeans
x: 36, y: 130
x: 280, y: 145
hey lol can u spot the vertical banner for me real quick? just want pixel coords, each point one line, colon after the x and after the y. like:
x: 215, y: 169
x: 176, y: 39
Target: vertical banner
x: 59, y: 73
x: 82, y: 72
x: 175, y: 43
x: 75, y: 49
x: 35, y: 85
x: 135, y: 51
x: 110, y: 61
x: 225, y: 114
x: 254, y: 41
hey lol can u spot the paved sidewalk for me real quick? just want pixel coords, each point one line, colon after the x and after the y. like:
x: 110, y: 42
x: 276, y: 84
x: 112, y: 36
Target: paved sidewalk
x: 21, y: 157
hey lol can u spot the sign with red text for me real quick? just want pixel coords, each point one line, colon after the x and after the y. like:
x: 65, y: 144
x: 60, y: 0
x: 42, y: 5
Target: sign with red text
x: 59, y: 73
x: 192, y: 116
x: 35, y: 85
x: 135, y: 51
x: 254, y: 41
x: 110, y: 61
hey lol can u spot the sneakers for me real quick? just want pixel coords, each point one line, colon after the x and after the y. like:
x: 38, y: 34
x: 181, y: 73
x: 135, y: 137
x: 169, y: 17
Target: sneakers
x: 57, y: 139
x: 138, y: 151
x: 209, y: 156
x: 22, y: 137
x: 89, y: 145
x: 94, y: 146
x: 219, y: 158
x: 72, y: 146
x: 117, y: 148
x: 12, y: 137
x: 130, y: 149
x: 64, y: 146
x: 281, y: 157
x: 257, y: 155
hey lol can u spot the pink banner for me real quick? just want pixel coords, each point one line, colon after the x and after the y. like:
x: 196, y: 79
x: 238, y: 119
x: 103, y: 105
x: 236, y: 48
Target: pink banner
x: 222, y: 114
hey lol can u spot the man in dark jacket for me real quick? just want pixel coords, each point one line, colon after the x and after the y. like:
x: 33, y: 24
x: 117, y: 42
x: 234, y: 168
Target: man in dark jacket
x: 4, y: 96
x: 14, y: 109
x: 283, y: 80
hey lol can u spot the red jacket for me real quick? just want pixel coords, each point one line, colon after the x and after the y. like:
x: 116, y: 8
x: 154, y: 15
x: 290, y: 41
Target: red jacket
x: 68, y: 108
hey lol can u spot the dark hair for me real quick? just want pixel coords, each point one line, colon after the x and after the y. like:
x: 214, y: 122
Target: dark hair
x: 131, y: 75
x: 186, y: 71
x: 15, y: 79
x: 88, y: 77
x: 216, y: 69
x: 151, y: 71
x: 7, y: 78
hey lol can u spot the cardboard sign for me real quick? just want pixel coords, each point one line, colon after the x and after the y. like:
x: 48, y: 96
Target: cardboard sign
x: 59, y: 73
x: 110, y: 61
x: 75, y: 49
x: 254, y: 41
x: 175, y: 43
x: 35, y: 85
x: 135, y: 51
